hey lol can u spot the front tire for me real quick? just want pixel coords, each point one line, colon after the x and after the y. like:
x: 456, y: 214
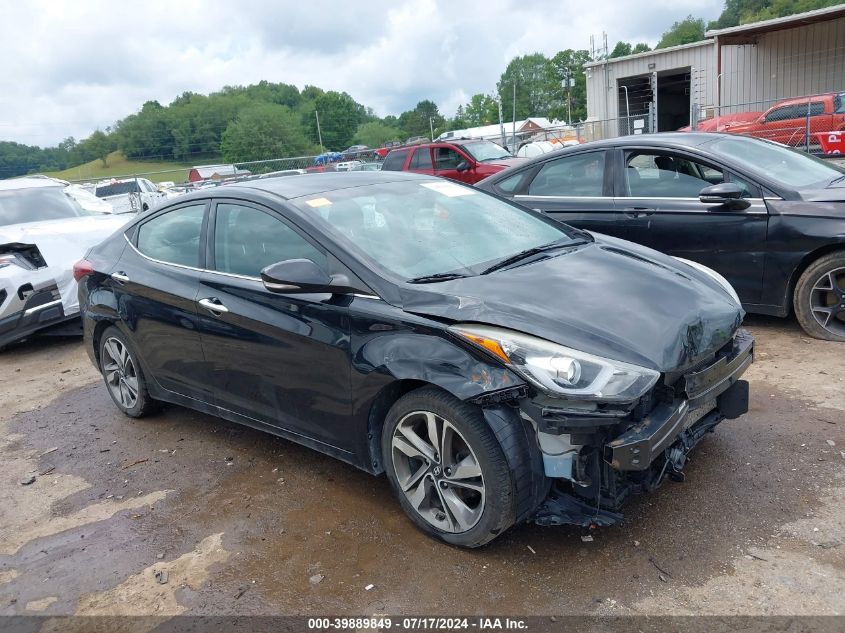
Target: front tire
x: 820, y: 298
x: 123, y: 375
x: 447, y: 469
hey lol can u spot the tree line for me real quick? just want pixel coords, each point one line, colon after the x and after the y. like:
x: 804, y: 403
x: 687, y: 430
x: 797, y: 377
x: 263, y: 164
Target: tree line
x: 268, y: 120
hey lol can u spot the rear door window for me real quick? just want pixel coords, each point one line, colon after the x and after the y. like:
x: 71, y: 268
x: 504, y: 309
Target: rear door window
x: 421, y: 159
x: 578, y: 175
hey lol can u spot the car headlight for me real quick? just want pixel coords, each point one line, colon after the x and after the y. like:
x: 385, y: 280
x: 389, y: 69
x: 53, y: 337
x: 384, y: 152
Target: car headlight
x: 714, y: 275
x: 559, y: 370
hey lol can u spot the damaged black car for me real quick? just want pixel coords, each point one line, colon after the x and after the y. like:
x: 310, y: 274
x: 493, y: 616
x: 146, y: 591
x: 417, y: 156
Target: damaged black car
x: 496, y: 365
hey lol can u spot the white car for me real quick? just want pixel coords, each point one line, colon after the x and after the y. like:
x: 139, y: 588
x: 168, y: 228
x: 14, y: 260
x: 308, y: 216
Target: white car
x: 43, y: 232
x: 88, y: 200
x: 130, y: 195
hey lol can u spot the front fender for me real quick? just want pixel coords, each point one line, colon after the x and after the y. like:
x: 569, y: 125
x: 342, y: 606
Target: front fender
x: 434, y: 360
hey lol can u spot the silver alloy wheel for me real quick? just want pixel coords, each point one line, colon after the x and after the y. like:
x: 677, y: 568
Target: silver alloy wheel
x: 120, y: 374
x: 827, y: 301
x: 438, y: 471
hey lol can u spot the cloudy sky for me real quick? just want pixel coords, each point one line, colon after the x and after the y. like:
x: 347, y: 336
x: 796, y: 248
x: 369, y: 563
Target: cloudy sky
x: 72, y: 67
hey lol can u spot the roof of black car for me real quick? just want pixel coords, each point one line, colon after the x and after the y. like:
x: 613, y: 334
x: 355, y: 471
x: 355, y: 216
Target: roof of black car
x: 688, y: 139
x: 309, y: 184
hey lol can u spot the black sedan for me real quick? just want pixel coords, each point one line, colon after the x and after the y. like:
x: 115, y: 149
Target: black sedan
x: 499, y: 366
x: 768, y: 218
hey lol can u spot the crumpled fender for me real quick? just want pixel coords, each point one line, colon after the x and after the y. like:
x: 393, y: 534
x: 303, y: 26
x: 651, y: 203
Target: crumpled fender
x: 438, y: 361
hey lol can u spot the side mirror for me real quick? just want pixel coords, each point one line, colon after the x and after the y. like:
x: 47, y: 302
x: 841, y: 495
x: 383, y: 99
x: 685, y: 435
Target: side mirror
x: 296, y: 275
x: 303, y: 276
x: 463, y: 166
x: 727, y: 193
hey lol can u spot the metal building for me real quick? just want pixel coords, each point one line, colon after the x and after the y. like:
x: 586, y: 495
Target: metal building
x: 738, y: 69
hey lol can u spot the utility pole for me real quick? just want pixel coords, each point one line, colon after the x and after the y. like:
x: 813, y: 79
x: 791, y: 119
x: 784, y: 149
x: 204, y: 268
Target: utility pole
x: 431, y: 127
x: 501, y: 122
x: 319, y: 134
x: 513, y: 137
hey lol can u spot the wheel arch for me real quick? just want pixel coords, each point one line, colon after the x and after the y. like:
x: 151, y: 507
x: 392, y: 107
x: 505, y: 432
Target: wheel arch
x: 803, y: 265
x: 414, y: 360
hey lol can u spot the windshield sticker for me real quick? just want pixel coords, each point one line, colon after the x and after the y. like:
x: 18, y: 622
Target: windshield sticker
x: 449, y: 189
x: 318, y: 202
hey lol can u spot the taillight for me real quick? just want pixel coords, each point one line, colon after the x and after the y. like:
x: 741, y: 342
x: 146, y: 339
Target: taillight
x: 81, y: 268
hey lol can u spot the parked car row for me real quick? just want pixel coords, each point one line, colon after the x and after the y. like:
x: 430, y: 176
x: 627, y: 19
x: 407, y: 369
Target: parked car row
x: 464, y: 340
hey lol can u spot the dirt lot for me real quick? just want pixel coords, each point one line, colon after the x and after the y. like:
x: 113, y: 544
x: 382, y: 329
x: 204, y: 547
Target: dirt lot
x: 245, y: 523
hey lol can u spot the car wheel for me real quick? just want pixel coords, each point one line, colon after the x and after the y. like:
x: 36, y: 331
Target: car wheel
x: 447, y: 468
x: 123, y: 375
x: 820, y: 298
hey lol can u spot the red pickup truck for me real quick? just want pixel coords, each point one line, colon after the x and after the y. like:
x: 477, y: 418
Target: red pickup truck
x: 465, y: 160
x: 786, y: 121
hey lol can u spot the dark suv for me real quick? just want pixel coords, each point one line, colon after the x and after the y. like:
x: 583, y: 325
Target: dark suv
x: 465, y: 160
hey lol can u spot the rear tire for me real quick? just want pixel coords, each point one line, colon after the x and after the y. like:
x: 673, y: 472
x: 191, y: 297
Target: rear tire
x: 123, y: 375
x: 447, y: 469
x: 819, y: 298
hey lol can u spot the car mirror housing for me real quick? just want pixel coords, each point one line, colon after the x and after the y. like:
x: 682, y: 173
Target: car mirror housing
x: 463, y: 166
x: 295, y: 276
x: 727, y: 194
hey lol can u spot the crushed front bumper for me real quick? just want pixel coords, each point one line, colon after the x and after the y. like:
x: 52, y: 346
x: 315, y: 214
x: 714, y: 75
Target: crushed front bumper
x: 39, y: 309
x: 600, y: 469
x: 715, y: 387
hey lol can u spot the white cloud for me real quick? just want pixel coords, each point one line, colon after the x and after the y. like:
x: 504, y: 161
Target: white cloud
x: 72, y: 67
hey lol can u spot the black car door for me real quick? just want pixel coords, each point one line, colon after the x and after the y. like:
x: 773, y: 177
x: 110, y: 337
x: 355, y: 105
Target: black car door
x: 280, y: 359
x: 657, y: 196
x: 156, y: 282
x: 575, y: 188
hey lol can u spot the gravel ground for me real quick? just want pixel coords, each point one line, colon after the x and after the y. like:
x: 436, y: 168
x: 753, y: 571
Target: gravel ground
x: 239, y: 522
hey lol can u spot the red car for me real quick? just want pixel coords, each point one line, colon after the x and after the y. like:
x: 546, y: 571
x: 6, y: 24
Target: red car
x: 468, y: 160
x: 786, y: 121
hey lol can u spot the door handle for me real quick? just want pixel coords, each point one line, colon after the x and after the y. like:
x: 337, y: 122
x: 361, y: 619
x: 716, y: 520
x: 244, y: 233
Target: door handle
x: 213, y: 305
x: 120, y: 277
x: 638, y: 212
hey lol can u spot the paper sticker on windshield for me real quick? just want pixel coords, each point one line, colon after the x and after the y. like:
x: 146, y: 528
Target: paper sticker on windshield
x: 318, y: 202
x: 449, y: 189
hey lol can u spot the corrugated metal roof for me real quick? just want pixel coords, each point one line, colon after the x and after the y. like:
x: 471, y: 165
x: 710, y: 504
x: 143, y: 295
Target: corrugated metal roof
x: 656, y: 51
x: 777, y: 24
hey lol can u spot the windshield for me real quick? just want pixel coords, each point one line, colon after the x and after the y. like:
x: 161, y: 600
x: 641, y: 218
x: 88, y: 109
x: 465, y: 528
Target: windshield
x: 792, y: 168
x: 430, y: 227
x: 486, y: 150
x: 36, y: 204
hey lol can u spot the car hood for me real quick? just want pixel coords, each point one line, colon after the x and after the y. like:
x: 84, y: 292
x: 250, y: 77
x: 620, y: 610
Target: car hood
x: 611, y: 298
x: 506, y: 162
x: 62, y: 243
x: 836, y: 193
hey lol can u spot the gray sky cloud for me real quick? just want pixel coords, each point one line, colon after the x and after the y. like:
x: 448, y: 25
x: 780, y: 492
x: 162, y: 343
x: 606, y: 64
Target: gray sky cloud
x: 73, y: 67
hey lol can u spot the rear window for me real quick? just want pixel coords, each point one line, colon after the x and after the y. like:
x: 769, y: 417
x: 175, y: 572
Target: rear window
x: 117, y: 188
x: 395, y: 160
x: 839, y: 104
x: 39, y: 203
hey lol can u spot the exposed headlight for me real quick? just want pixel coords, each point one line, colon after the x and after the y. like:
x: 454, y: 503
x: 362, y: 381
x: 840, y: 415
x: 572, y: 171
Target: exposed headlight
x: 712, y: 273
x: 559, y: 370
x: 7, y: 260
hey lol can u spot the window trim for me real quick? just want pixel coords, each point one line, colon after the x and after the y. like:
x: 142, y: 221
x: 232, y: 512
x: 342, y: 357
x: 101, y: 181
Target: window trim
x: 135, y: 229
x: 211, y: 262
